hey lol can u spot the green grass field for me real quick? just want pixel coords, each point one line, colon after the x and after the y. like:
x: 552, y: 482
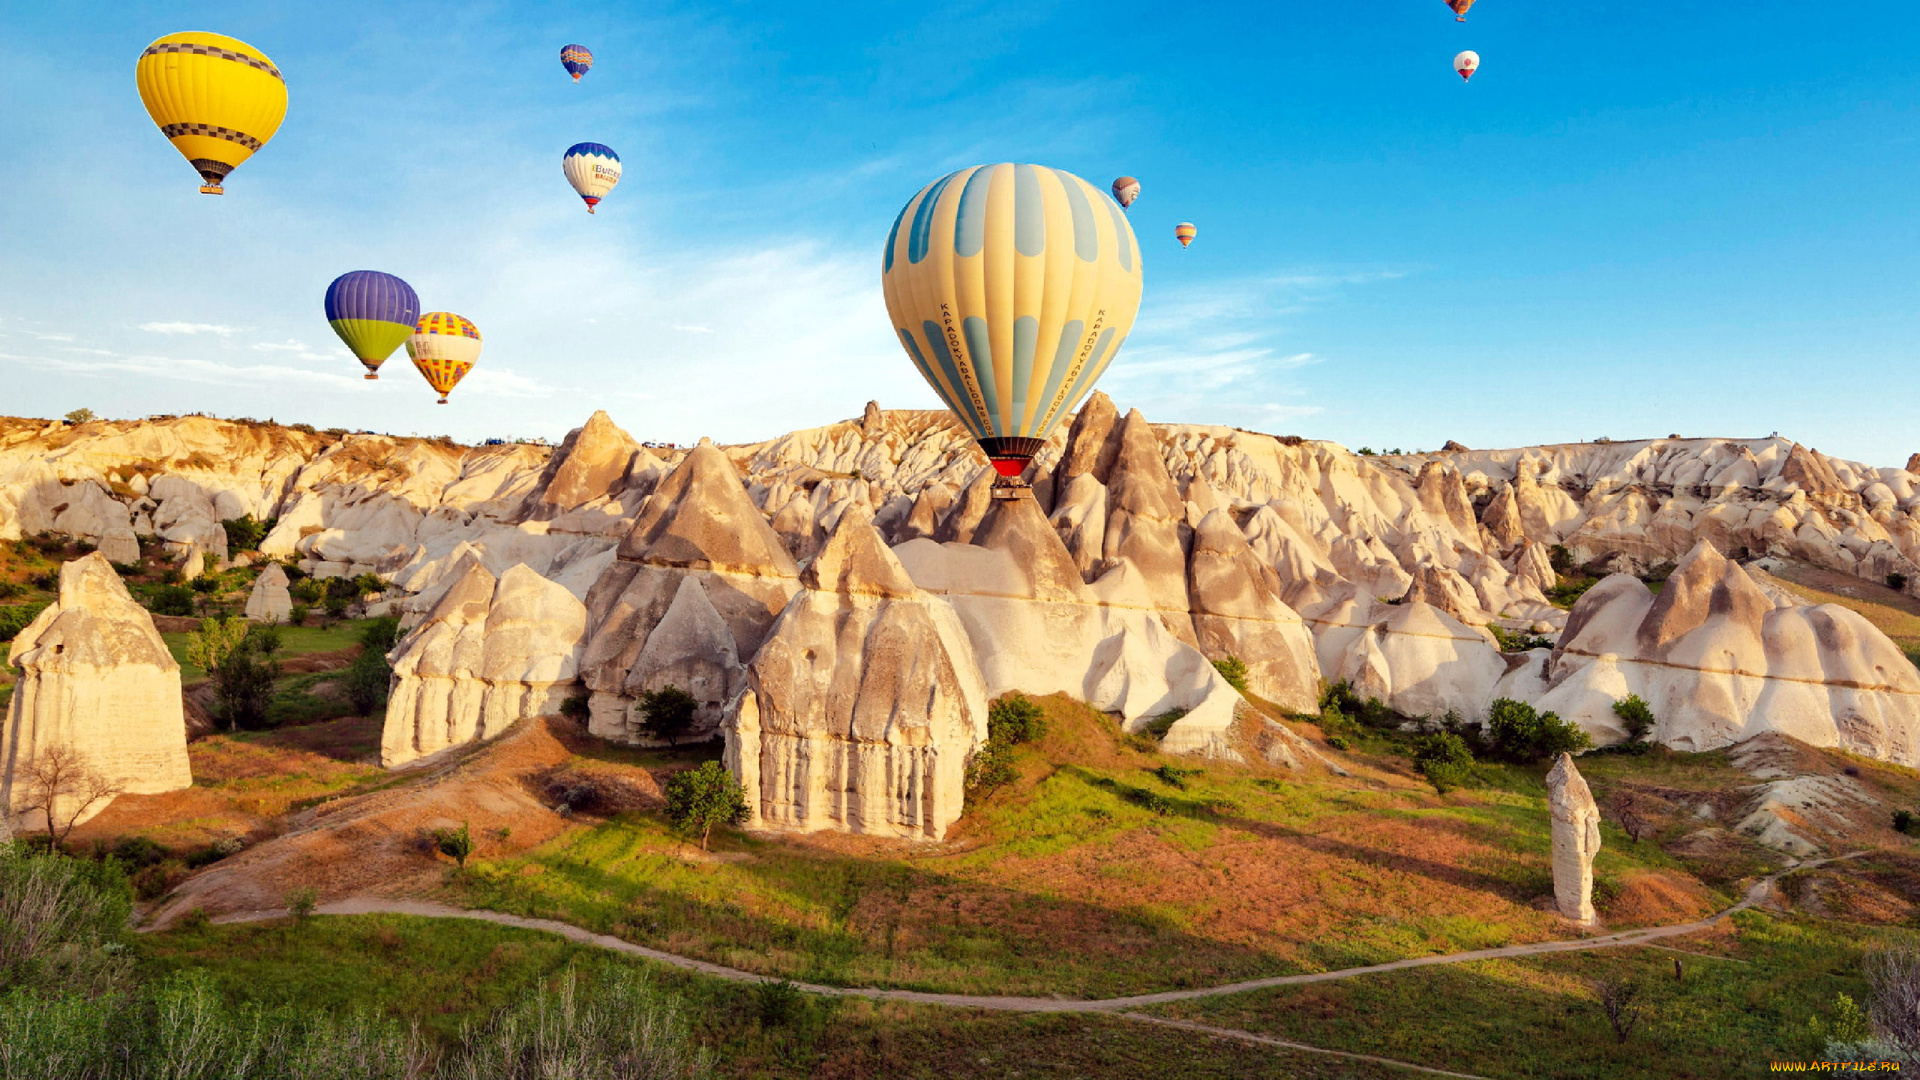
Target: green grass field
x: 1097, y: 878
x: 445, y: 973
x: 294, y: 641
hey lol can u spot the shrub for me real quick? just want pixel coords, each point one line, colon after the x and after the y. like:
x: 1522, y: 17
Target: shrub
x: 1337, y: 742
x: 1151, y: 800
x: 137, y: 852
x: 1905, y: 821
x: 63, y: 922
x: 244, y: 533
x: 668, y: 713
x: 990, y: 768
x: 455, y: 844
x: 1560, y: 558
x: 1016, y: 718
x: 12, y: 590
x: 308, y: 590
x: 80, y: 416
x: 577, y: 706
x: 336, y: 606
x: 1636, y: 716
x: 698, y: 799
x: 1174, y: 776
x: 16, y: 617
x: 1234, y: 671
x: 779, y: 1003
x: 301, y: 902
x: 365, y: 682
x: 1518, y: 640
x: 1518, y: 733
x: 381, y: 634
x: 171, y: 600
x: 1445, y: 760
x: 297, y: 615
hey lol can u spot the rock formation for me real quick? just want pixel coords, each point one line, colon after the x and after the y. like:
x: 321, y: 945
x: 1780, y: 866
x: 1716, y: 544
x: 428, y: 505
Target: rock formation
x: 696, y: 585
x: 1576, y: 840
x: 269, y: 602
x: 864, y: 702
x: 1237, y: 612
x: 97, y: 685
x: 1720, y: 660
x: 1413, y: 656
x: 492, y: 651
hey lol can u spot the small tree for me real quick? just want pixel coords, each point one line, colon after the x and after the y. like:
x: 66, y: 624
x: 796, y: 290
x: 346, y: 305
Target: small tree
x: 366, y: 681
x: 667, y: 714
x: 1016, y: 718
x: 1521, y: 734
x: 80, y: 416
x: 1636, y: 716
x: 242, y: 681
x: 1234, y: 671
x: 698, y: 799
x: 1444, y: 759
x: 455, y: 844
x: 1620, y: 1001
x: 63, y: 785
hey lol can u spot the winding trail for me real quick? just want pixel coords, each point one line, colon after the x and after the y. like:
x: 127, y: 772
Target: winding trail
x: 1120, y: 1006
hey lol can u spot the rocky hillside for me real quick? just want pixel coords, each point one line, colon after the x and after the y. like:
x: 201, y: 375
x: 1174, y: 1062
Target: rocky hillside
x: 842, y: 601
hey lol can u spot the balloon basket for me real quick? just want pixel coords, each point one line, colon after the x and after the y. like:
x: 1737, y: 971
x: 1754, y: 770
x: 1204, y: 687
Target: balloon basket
x: 442, y: 401
x: 371, y: 376
x: 211, y: 189
x: 1008, y: 488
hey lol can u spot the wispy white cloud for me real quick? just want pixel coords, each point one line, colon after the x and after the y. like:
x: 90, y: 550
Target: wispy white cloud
x: 189, y: 328
x: 186, y: 369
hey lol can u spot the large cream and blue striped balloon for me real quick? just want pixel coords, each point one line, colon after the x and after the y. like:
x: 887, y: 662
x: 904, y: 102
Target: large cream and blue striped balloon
x: 1011, y: 287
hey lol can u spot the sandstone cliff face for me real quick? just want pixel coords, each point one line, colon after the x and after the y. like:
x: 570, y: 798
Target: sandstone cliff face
x: 95, y: 681
x: 489, y: 653
x: 864, y: 702
x: 1720, y: 660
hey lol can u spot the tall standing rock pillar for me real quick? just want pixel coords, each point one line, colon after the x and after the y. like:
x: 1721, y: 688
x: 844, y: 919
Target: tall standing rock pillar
x: 1576, y: 840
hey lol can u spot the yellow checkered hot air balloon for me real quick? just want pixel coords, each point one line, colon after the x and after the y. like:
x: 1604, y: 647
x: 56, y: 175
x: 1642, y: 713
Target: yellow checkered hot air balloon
x: 217, y: 98
x: 1011, y: 287
x: 444, y: 347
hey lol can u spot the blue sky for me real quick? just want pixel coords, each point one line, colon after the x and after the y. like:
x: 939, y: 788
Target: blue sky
x: 1692, y: 217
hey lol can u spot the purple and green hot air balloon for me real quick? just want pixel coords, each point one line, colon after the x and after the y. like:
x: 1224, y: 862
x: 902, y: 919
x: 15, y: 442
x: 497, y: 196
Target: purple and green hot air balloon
x: 576, y: 59
x: 374, y: 313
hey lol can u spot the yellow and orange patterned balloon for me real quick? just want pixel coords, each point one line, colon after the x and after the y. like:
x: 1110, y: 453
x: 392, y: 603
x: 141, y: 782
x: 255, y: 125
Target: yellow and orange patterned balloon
x: 1011, y: 287
x: 444, y: 347
x: 217, y: 98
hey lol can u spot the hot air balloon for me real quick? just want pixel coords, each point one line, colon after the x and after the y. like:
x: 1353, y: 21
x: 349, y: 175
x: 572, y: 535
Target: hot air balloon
x: 1125, y: 190
x: 1184, y: 233
x: 577, y: 59
x: 373, y: 313
x: 592, y: 169
x: 444, y: 348
x: 218, y: 99
x: 1459, y: 9
x: 1011, y: 288
x: 1467, y: 63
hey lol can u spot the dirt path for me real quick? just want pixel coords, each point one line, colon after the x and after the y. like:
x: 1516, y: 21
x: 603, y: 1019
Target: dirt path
x: 1120, y: 1006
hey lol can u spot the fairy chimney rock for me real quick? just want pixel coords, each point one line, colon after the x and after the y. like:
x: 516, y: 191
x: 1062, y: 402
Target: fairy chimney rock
x: 1576, y: 840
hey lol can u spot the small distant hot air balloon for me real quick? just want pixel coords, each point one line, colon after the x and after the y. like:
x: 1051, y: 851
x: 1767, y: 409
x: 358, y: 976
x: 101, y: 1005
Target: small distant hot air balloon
x: 1467, y: 63
x: 1011, y: 287
x: 444, y: 348
x: 1459, y: 9
x: 592, y: 169
x: 577, y: 59
x: 1184, y: 233
x: 373, y: 313
x: 1125, y: 190
x: 217, y: 98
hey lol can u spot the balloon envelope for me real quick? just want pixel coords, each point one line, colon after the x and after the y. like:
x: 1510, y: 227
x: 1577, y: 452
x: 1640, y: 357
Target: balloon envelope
x: 576, y: 59
x: 592, y: 169
x: 1467, y: 63
x: 1125, y: 190
x: 373, y: 313
x: 1011, y: 288
x: 1459, y: 9
x: 218, y: 99
x: 444, y: 347
x: 1184, y: 232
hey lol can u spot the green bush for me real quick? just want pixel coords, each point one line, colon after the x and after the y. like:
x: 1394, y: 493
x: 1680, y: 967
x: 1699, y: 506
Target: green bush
x: 365, y: 682
x: 297, y: 615
x: 16, y: 617
x: 1234, y: 671
x: 577, y: 706
x: 1905, y: 821
x: 170, y: 600
x: 1016, y: 718
x: 63, y: 924
x: 243, y: 680
x: 12, y: 590
x: 698, y: 799
x: 990, y: 768
x: 1174, y: 776
x: 455, y: 844
x: 1518, y: 640
x: 381, y: 634
x: 1341, y: 707
x: 244, y: 533
x: 308, y: 590
x: 668, y: 713
x: 1637, y: 717
x: 1445, y: 760
x: 1517, y: 733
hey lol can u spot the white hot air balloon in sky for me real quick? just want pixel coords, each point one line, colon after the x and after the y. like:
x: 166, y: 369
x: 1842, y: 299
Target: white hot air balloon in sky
x: 1467, y: 63
x: 592, y: 169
